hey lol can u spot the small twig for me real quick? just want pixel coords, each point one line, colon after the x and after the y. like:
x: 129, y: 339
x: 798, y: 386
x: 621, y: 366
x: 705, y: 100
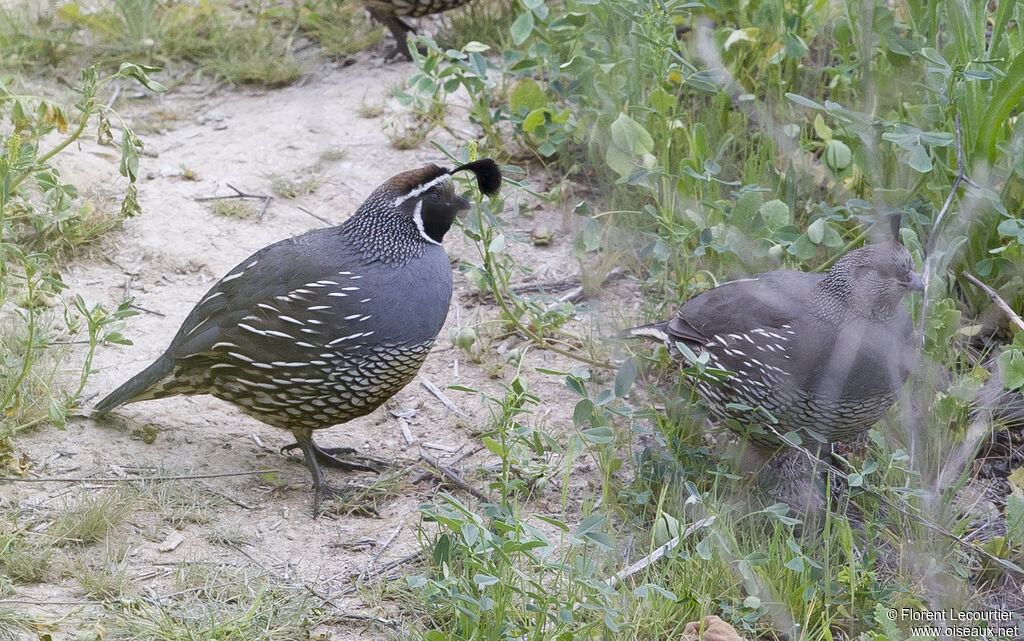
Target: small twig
x: 440, y: 447
x: 395, y: 563
x: 136, y: 479
x: 659, y: 552
x: 994, y: 296
x: 320, y: 218
x: 423, y: 476
x: 933, y: 234
x: 406, y: 432
x: 441, y: 396
x: 240, y: 194
x: 30, y: 602
x: 452, y: 477
x: 960, y: 176
x: 387, y: 543
x: 148, y: 311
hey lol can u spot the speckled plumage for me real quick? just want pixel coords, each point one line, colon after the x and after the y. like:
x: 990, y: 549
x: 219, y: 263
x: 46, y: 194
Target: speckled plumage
x: 322, y: 328
x: 825, y: 353
x: 390, y: 14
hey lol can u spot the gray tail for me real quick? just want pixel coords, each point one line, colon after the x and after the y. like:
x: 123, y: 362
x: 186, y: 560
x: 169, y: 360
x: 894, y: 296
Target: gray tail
x: 654, y: 331
x: 136, y: 387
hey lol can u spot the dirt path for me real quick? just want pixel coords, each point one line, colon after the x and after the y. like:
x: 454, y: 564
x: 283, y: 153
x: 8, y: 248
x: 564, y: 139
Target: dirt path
x: 167, y: 258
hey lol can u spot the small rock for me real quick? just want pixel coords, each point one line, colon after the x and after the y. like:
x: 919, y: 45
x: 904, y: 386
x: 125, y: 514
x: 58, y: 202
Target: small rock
x: 542, y: 235
x: 173, y: 540
x: 715, y: 629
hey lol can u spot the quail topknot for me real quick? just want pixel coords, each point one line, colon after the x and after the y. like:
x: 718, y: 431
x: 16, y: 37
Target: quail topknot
x: 322, y: 328
x: 821, y: 353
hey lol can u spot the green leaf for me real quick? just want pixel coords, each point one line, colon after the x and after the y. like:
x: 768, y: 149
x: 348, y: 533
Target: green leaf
x: 919, y: 160
x: 522, y: 27
x: 1005, y: 97
x: 582, y: 412
x: 630, y: 136
x: 704, y: 549
x: 141, y: 73
x: 838, y: 155
x: 535, y: 118
x: 590, y: 530
x: 527, y: 94
x: 482, y: 579
x: 625, y: 378
x: 796, y: 564
x: 1011, y: 368
x: 775, y: 213
x: 129, y: 156
x: 803, y: 102
x: 816, y: 232
x: 599, y: 435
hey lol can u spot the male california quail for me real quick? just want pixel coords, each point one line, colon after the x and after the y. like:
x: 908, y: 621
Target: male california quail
x: 322, y: 328
x: 824, y: 353
x: 390, y: 12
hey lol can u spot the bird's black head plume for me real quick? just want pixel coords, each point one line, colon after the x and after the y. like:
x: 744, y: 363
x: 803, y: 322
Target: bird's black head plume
x: 488, y: 174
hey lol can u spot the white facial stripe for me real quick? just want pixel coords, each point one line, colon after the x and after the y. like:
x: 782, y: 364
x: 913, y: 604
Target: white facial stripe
x: 422, y: 188
x: 417, y: 217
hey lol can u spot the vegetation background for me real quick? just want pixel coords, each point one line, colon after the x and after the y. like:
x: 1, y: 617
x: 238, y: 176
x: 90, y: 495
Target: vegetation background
x: 680, y: 144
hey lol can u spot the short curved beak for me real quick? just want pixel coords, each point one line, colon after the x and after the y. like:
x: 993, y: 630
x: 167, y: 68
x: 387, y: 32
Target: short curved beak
x: 915, y: 284
x: 460, y: 204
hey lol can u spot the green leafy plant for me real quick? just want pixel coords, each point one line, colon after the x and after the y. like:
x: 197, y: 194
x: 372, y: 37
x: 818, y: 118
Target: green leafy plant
x: 39, y: 219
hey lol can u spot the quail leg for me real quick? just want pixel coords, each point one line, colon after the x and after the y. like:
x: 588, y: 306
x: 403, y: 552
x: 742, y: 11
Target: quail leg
x: 400, y: 31
x: 313, y: 455
x: 321, y: 489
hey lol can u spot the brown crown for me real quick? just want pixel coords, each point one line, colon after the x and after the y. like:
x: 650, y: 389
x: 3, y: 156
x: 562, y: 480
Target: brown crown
x: 406, y: 181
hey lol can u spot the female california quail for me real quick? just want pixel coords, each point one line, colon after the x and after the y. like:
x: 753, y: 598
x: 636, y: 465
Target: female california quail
x: 390, y: 13
x: 821, y: 353
x: 322, y: 328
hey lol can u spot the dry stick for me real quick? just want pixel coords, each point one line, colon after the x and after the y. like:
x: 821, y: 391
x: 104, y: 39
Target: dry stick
x: 453, y: 478
x: 240, y: 194
x: 441, y: 396
x: 970, y: 547
x: 933, y: 235
x: 136, y: 479
x: 387, y: 543
x: 423, y: 476
x: 994, y: 296
x: 659, y: 552
x: 320, y: 218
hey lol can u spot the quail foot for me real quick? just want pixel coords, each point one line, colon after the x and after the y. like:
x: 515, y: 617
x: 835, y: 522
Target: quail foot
x: 316, y: 330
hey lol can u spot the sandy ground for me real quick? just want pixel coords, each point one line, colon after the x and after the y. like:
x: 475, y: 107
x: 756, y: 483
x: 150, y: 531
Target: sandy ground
x: 168, y: 256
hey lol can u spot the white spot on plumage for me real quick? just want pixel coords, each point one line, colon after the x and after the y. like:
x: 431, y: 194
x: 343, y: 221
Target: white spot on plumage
x: 289, y: 319
x: 231, y: 277
x: 249, y: 328
x: 346, y: 338
x: 337, y: 294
